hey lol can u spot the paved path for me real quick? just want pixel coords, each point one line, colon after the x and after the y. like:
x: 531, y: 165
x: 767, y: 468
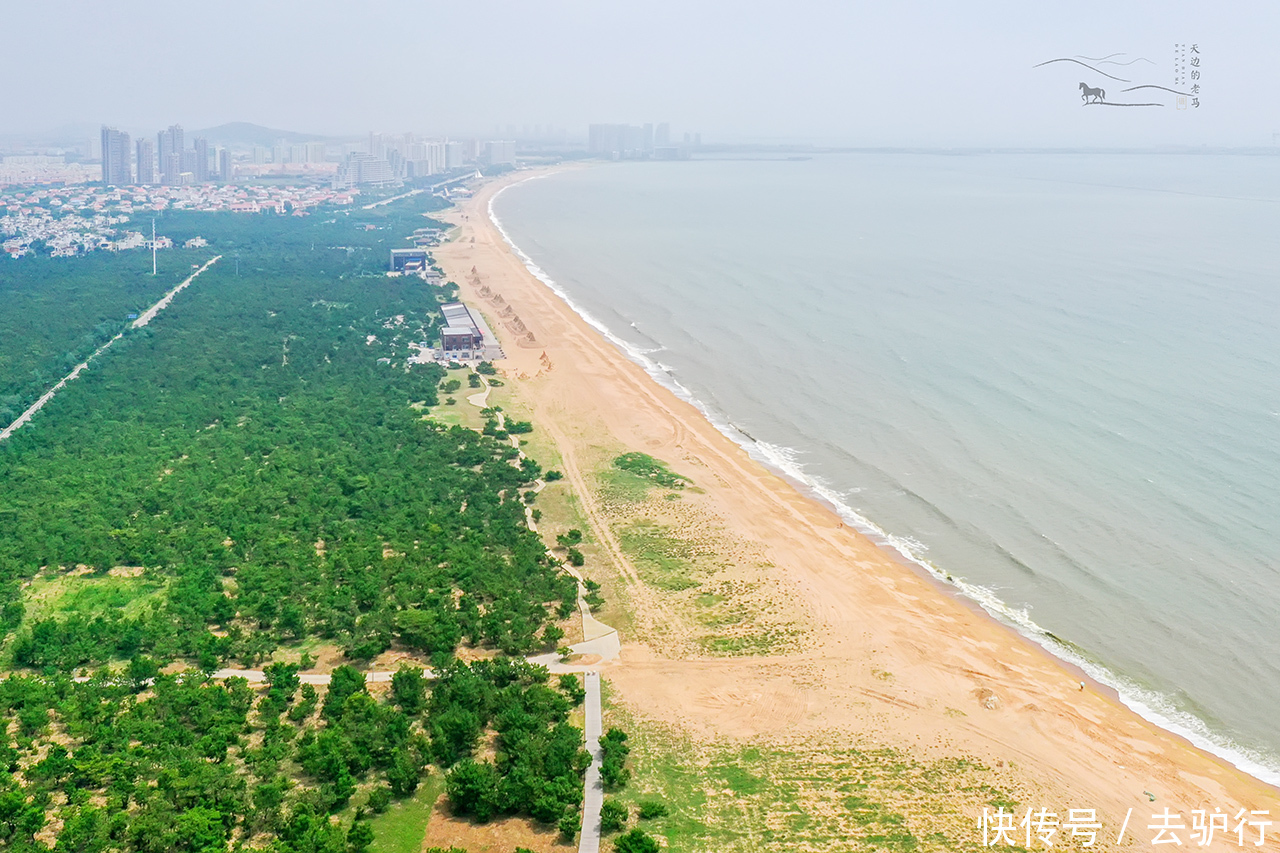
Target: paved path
x: 393, y: 198
x: 257, y: 676
x: 589, y: 840
x: 150, y: 313
x: 79, y: 368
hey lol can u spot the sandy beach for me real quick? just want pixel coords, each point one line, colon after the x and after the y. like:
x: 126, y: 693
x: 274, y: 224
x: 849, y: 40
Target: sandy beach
x: 821, y: 636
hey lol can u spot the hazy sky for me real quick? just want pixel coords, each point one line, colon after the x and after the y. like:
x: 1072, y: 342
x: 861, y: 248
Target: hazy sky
x: 867, y: 73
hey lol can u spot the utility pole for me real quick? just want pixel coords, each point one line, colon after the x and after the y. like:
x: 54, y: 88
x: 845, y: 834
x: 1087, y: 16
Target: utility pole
x: 153, y: 246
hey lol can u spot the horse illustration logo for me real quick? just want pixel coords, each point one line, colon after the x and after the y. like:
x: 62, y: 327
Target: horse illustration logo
x: 1092, y: 96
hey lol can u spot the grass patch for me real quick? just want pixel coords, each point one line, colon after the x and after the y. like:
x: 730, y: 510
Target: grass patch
x: 747, y: 645
x: 646, y: 467
x: 89, y: 595
x: 664, y: 560
x: 401, y: 828
x: 623, y: 486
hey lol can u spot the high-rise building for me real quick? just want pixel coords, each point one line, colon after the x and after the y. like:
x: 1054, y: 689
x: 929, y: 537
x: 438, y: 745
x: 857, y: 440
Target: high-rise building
x: 116, y: 158
x: 171, y: 168
x: 164, y: 147
x: 454, y: 155
x: 620, y: 140
x: 360, y: 168
x: 146, y: 152
x: 225, y: 173
x: 201, y: 165
x: 500, y: 153
x: 604, y: 139
x: 169, y: 144
x: 662, y: 136
x: 435, y: 157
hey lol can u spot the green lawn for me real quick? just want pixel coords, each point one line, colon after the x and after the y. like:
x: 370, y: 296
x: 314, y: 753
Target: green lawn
x: 401, y: 828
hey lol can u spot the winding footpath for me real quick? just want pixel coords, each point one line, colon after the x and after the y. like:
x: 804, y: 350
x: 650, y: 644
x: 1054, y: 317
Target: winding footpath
x: 597, y: 639
x: 146, y: 317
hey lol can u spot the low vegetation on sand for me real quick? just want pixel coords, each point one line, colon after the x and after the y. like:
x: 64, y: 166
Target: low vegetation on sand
x: 801, y: 796
x: 644, y: 465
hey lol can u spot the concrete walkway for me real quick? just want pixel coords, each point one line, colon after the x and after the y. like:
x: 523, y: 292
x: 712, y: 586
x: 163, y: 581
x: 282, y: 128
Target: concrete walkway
x: 257, y: 676
x: 593, y: 798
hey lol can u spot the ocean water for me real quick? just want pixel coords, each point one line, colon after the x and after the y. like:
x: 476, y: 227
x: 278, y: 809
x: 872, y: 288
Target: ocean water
x: 1052, y: 378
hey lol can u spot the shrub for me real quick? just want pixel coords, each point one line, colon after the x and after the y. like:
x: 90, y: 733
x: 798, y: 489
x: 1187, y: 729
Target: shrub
x: 613, y: 816
x: 569, y: 826
x: 380, y: 800
x: 575, y: 557
x: 613, y: 769
x: 359, y: 837
x: 650, y: 809
x: 473, y: 789
x: 551, y: 635
x: 636, y: 841
x: 571, y: 685
x: 554, y: 475
x: 408, y: 689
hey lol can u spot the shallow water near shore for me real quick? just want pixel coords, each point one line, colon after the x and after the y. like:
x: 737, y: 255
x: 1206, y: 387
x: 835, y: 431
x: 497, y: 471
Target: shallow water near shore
x: 1053, y: 378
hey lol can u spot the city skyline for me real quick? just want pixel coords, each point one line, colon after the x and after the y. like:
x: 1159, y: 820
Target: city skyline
x: 379, y: 159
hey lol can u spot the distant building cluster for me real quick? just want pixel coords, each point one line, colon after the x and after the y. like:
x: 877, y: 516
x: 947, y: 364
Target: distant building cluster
x: 32, y: 169
x: 390, y: 158
x: 169, y: 161
x: 639, y: 142
x: 75, y: 220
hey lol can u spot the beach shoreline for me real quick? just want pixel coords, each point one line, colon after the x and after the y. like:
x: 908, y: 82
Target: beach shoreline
x: 1019, y: 703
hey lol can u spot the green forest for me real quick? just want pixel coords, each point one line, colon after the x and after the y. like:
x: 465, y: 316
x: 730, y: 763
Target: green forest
x: 54, y: 312
x: 246, y: 477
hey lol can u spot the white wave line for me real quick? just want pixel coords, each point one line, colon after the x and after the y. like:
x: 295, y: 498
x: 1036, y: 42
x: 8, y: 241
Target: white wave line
x: 1147, y: 703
